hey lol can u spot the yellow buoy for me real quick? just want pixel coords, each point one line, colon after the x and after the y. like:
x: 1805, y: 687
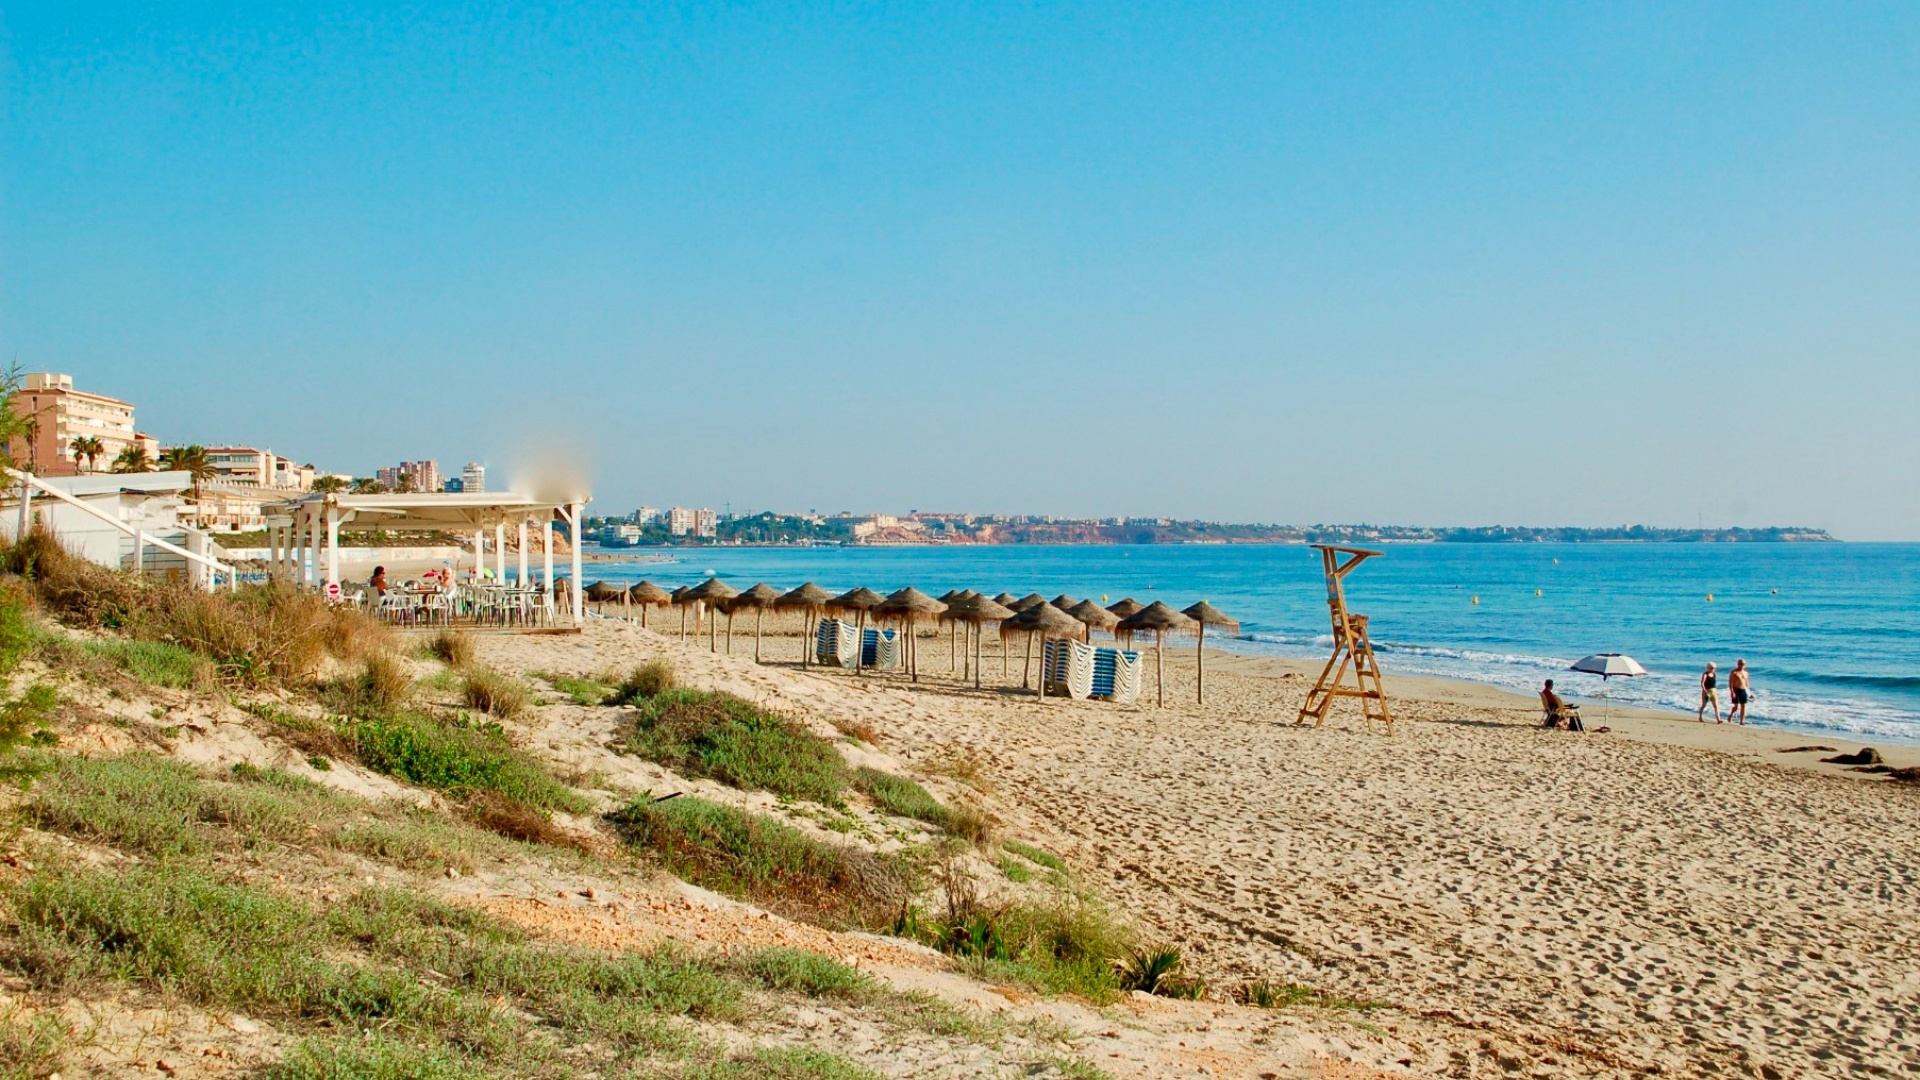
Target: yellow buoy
x: 1476, y: 599
x: 1536, y: 592
x: 1709, y: 598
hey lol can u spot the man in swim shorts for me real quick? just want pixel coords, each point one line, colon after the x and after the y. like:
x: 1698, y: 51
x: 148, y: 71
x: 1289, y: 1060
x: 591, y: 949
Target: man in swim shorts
x: 1709, y: 693
x: 1740, y: 681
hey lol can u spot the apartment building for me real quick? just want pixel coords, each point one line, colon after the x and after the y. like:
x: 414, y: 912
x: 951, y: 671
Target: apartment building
x: 59, y: 414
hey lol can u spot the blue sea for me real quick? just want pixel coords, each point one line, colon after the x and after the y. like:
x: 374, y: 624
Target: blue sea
x: 1831, y: 631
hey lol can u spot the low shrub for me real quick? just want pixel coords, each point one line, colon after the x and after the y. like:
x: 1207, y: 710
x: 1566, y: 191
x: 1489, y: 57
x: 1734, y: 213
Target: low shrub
x: 451, y: 647
x: 806, y: 973
x: 781, y: 1063
x: 459, y: 758
x: 730, y: 739
x: 1036, y: 856
x: 32, y: 1048
x: 374, y: 1057
x: 753, y: 857
x: 651, y: 679
x: 1270, y: 995
x: 494, y: 693
x: 580, y: 691
x: 156, y: 663
x: 24, y: 721
x: 900, y: 796
x: 74, y: 590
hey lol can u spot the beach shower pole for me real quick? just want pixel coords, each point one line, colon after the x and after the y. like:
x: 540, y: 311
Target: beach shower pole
x: 546, y: 544
x: 573, y: 519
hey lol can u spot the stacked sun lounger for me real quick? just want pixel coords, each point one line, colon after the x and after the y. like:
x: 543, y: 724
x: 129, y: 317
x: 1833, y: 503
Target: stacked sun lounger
x: 880, y: 650
x: 833, y: 643
x: 1069, y: 668
x: 1116, y: 675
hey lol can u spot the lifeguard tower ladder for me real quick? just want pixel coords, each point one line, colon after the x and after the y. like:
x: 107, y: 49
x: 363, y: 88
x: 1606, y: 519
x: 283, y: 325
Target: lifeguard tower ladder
x: 1351, y: 649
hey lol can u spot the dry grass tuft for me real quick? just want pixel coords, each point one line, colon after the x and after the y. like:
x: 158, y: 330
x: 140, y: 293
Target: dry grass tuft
x: 494, y: 693
x: 451, y: 647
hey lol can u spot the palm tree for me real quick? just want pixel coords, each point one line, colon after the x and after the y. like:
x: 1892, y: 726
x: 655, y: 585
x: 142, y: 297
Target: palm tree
x: 329, y: 485
x: 192, y: 460
x: 367, y: 485
x: 132, y: 459
x: 403, y: 483
x: 88, y: 448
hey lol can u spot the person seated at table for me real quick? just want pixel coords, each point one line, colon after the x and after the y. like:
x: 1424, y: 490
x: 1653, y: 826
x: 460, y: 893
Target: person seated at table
x: 377, y: 584
x: 1559, y: 713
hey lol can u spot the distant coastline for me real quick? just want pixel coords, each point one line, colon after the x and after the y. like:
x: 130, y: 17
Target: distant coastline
x: 934, y: 530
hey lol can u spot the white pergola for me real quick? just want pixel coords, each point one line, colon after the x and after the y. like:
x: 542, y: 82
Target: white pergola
x: 304, y: 539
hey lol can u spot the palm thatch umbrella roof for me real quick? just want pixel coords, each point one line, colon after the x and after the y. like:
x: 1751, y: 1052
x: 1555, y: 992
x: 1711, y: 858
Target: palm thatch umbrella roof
x: 712, y: 589
x: 1125, y: 607
x: 1208, y: 615
x: 1093, y: 616
x: 951, y: 595
x: 909, y: 604
x: 759, y: 598
x: 857, y: 599
x: 1063, y: 602
x: 1005, y: 599
x: 808, y: 598
x: 1158, y: 618
x: 679, y: 595
x: 1032, y: 599
x: 646, y: 592
x: 600, y: 592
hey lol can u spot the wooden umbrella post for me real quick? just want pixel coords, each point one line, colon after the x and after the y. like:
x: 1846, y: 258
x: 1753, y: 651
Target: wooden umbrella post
x: 759, y: 622
x: 1160, y: 665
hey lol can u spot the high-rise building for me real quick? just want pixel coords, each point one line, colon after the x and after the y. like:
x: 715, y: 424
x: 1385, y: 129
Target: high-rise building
x: 646, y: 515
x: 706, y: 523
x: 679, y: 521
x: 58, y: 414
x: 473, y: 477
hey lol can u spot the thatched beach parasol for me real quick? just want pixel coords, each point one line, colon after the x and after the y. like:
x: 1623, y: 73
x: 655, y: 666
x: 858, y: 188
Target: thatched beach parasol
x: 1063, y: 602
x: 909, y: 604
x: 1206, y: 615
x: 975, y: 611
x: 600, y: 593
x: 1031, y: 600
x: 712, y: 593
x: 1158, y: 618
x: 859, y: 600
x: 1094, y: 617
x: 1045, y: 621
x: 759, y: 598
x: 648, y: 595
x: 1006, y: 600
x: 1124, y: 609
x: 809, y: 599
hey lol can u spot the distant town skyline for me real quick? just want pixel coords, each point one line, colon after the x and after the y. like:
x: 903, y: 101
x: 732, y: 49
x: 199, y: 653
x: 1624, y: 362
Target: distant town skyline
x: 1539, y: 264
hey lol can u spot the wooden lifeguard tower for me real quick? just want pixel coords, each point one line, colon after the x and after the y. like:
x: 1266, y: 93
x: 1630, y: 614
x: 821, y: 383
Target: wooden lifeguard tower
x: 1351, y: 648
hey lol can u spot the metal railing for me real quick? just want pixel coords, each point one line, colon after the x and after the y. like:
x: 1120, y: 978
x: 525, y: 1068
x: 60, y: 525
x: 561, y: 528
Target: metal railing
x: 30, y: 483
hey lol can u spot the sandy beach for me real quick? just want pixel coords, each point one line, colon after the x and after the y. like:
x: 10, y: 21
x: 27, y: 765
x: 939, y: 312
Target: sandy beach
x: 1666, y: 897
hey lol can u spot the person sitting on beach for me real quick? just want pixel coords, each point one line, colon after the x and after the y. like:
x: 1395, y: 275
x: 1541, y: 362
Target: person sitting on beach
x: 377, y: 584
x: 1740, y: 683
x: 1709, y: 693
x: 1559, y: 713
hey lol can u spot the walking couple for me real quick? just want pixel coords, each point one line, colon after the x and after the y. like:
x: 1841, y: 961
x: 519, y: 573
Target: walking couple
x: 1739, y: 682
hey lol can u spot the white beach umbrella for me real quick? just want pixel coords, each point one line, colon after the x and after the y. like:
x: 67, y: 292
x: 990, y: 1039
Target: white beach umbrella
x: 1607, y: 665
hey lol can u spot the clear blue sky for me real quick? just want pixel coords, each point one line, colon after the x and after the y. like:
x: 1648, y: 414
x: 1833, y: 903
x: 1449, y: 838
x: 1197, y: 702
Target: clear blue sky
x: 1432, y: 264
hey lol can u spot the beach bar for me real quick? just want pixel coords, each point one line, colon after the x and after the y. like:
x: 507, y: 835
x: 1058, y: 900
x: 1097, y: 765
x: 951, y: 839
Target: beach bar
x: 304, y: 539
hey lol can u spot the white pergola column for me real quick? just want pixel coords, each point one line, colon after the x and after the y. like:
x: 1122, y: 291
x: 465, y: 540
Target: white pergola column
x: 479, y: 553
x: 522, y: 582
x: 500, y: 551
x: 333, y: 545
x: 573, y: 523
x: 313, y: 548
x: 546, y: 538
